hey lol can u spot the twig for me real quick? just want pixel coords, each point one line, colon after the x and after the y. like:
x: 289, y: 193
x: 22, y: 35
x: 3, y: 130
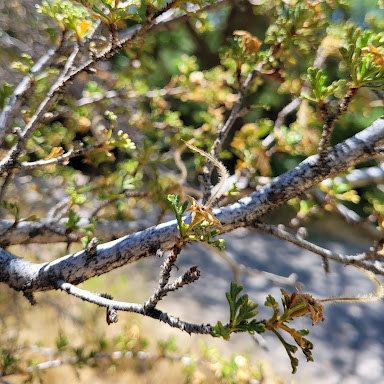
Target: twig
x: 360, y: 177
x: 113, y: 356
x: 51, y: 230
x: 239, y: 269
x: 126, y: 194
x: 224, y: 131
x: 356, y: 260
x: 114, y: 36
x: 9, y: 161
x: 133, y: 307
x: 296, y: 101
x: 131, y: 95
x: 59, y: 160
x: 57, y: 212
x: 66, y: 76
x: 330, y: 121
x: 21, y: 93
x: 368, y: 298
x: 7, y: 181
x: 165, y: 275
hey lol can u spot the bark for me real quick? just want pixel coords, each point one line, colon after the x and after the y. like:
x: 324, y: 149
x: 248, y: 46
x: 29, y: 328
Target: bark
x: 74, y: 269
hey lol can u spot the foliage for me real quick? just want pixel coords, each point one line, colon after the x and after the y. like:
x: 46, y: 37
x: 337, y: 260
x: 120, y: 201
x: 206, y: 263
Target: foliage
x: 241, y: 310
x: 111, y: 141
x: 243, y: 319
x: 202, y: 220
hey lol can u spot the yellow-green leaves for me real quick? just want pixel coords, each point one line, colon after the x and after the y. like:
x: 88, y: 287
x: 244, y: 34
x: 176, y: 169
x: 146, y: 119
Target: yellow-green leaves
x: 67, y: 16
x: 363, y: 53
x: 113, y: 11
x: 204, y: 225
x: 242, y: 315
x: 294, y: 305
x: 320, y: 90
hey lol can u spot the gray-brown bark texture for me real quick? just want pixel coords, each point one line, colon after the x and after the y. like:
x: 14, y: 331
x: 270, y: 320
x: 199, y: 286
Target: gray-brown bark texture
x: 74, y: 269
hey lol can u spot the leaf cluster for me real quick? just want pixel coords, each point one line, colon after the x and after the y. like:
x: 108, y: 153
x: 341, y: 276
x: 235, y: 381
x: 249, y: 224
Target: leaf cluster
x: 200, y: 228
x: 297, y: 29
x: 363, y: 53
x: 68, y: 16
x: 242, y: 318
x: 242, y: 315
x: 320, y: 90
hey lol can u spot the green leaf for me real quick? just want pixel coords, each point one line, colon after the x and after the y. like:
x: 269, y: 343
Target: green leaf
x: 73, y: 220
x: 5, y: 91
x: 13, y: 208
x: 221, y: 331
x: 291, y: 349
x: 61, y: 342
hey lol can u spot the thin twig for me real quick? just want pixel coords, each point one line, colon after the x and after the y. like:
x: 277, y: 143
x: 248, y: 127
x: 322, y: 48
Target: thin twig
x: 132, y: 95
x: 165, y: 275
x: 356, y: 260
x: 133, y: 307
x: 360, y: 177
x: 59, y: 160
x: 21, y: 93
x: 330, y: 120
x: 9, y: 161
x: 225, y: 129
x: 296, y: 101
x: 126, y: 194
x: 346, y: 214
x: 6, y: 183
x: 66, y: 76
x: 239, y: 269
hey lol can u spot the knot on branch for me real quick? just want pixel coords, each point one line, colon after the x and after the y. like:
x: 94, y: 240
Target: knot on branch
x: 111, y: 314
x: 91, y: 249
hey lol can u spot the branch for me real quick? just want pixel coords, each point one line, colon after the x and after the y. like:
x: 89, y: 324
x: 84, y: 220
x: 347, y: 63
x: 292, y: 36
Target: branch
x: 225, y: 129
x: 330, y: 121
x: 21, y: 93
x: 188, y: 277
x: 165, y: 275
x: 68, y: 74
x: 356, y: 260
x: 48, y: 231
x: 23, y: 275
x: 133, y: 307
x: 60, y: 160
x: 360, y: 177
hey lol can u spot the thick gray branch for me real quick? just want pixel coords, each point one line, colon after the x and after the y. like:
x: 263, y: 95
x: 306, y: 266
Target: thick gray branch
x: 23, y: 275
